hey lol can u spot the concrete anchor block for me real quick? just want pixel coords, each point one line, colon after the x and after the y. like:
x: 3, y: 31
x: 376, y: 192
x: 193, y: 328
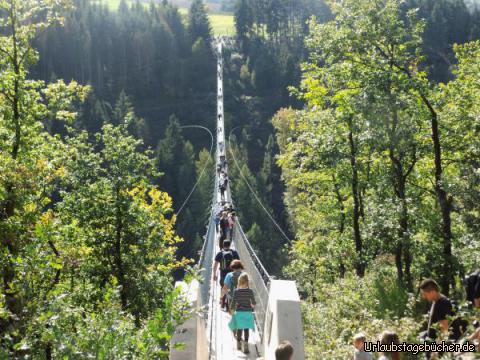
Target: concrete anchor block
x: 192, y: 333
x: 283, y: 319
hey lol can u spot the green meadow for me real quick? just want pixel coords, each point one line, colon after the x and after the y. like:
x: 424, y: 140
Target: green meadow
x: 222, y: 23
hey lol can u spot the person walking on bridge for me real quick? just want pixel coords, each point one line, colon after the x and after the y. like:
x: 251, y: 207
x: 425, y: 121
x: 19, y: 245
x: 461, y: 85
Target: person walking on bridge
x: 223, y: 184
x: 223, y: 228
x: 231, y: 281
x: 223, y: 260
x: 216, y: 220
x: 242, y: 321
x: 232, y: 220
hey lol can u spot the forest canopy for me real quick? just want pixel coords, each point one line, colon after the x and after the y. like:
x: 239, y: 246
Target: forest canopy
x: 87, y: 239
x: 380, y: 170
x: 354, y: 122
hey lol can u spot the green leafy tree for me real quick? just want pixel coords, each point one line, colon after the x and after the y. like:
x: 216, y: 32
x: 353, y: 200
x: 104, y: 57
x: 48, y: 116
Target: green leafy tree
x: 124, y: 114
x: 391, y: 51
x: 169, y: 152
x: 243, y: 19
x: 460, y: 110
x: 29, y: 173
x: 115, y: 251
x: 200, y: 65
x: 87, y: 242
x: 198, y: 22
x: 380, y: 147
x: 123, y: 217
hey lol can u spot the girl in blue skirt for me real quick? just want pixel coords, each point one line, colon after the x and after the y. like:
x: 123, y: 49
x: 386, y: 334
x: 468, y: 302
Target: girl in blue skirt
x: 242, y: 320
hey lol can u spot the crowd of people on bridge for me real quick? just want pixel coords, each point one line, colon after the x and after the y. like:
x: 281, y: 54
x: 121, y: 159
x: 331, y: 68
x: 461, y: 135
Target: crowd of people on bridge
x: 444, y: 322
x: 225, y: 215
x: 225, y: 222
x: 236, y: 297
x: 226, y: 40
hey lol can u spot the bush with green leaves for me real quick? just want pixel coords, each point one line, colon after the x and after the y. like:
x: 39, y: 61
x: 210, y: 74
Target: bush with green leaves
x: 351, y: 305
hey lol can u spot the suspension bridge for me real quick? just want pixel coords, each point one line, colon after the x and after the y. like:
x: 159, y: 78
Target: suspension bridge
x: 277, y: 313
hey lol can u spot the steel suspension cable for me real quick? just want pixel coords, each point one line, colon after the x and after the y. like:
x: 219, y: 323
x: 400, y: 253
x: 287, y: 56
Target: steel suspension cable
x: 204, y: 168
x: 251, y: 188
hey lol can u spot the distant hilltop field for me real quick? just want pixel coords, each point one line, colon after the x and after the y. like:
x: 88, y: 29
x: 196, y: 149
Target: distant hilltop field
x: 221, y: 16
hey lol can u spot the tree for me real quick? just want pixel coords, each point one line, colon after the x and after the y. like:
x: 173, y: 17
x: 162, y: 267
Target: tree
x: 243, y: 19
x: 198, y: 23
x: 196, y: 211
x: 447, y: 22
x: 201, y: 67
x: 185, y: 182
x: 124, y: 114
x: 390, y: 51
x: 168, y: 153
x: 75, y: 212
x: 460, y: 111
x: 204, y: 173
x: 123, y: 109
x: 122, y: 218
x: 114, y: 251
x: 28, y: 173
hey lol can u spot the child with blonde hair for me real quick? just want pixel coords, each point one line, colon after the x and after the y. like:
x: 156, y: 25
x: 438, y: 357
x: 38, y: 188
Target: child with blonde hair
x: 242, y: 321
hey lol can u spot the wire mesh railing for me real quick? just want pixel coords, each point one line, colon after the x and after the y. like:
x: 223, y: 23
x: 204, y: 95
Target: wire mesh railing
x: 207, y: 253
x: 259, y: 278
x: 205, y: 265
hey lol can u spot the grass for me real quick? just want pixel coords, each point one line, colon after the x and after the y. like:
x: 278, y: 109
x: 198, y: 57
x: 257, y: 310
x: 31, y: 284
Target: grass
x: 112, y: 4
x: 222, y: 23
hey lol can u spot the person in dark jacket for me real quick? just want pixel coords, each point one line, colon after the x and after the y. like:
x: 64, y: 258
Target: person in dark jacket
x: 223, y: 260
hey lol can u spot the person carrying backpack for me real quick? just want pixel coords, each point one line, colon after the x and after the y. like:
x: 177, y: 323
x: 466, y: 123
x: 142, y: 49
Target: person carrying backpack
x: 223, y: 260
x: 472, y: 290
x: 231, y: 281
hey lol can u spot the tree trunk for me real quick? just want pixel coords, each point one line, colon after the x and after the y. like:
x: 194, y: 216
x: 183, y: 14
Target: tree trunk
x: 341, y: 224
x: 360, y: 266
x: 444, y: 200
x: 48, y: 352
x: 399, y: 179
x: 407, y: 254
x: 118, y: 253
x: 445, y: 203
